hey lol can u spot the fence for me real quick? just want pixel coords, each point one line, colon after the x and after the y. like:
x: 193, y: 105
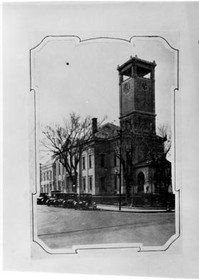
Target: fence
x: 139, y: 200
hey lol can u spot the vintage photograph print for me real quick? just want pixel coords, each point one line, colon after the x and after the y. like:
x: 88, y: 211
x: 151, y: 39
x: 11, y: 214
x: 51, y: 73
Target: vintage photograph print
x: 104, y: 143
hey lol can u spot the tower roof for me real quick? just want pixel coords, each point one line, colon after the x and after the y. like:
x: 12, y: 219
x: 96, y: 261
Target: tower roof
x: 140, y: 62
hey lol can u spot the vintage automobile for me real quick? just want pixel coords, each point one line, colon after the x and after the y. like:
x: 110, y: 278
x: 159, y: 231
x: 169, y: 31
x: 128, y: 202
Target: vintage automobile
x: 43, y: 198
x: 85, y: 201
x: 51, y: 201
x: 70, y: 200
x: 54, y: 200
x: 65, y: 199
x: 59, y: 199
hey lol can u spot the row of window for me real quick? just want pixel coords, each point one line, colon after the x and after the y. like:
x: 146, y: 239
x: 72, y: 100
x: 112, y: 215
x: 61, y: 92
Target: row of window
x: 47, y: 188
x: 47, y: 175
x: 102, y: 161
x: 90, y: 183
x: 89, y: 162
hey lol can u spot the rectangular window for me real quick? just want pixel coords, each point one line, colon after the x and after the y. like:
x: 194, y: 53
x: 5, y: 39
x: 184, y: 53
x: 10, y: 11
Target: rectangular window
x: 59, y: 168
x: 90, y: 183
x: 62, y: 184
x: 115, y: 182
x: 102, y: 184
x: 83, y: 163
x: 59, y: 185
x: 102, y: 160
x: 90, y: 161
x: 114, y: 160
x: 84, y: 183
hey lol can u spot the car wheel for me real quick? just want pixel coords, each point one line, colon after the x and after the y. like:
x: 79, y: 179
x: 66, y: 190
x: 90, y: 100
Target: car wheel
x: 86, y: 206
x: 77, y: 206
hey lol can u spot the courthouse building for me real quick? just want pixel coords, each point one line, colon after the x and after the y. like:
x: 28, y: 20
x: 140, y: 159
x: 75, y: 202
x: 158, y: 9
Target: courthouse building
x: 99, y: 169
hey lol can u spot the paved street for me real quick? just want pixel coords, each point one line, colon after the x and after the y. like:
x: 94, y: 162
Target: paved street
x: 62, y: 228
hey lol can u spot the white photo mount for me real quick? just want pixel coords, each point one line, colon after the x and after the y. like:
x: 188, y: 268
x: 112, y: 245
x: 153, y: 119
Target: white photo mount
x: 35, y: 183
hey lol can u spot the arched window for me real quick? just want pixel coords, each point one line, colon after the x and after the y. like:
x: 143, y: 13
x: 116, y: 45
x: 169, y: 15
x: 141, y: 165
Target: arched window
x: 140, y: 181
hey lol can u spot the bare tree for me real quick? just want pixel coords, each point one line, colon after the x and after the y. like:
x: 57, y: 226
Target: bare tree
x: 126, y: 150
x: 66, y: 143
x: 165, y: 132
x: 163, y: 164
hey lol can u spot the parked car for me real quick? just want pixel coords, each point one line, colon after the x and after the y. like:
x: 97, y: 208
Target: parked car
x: 43, y: 198
x: 51, y: 201
x: 58, y: 196
x: 59, y: 199
x: 55, y: 193
x: 70, y: 200
x: 54, y: 200
x: 65, y: 199
x: 86, y: 202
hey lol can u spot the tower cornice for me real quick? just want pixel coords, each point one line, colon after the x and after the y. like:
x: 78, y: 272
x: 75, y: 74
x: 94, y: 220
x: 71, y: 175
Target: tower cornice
x: 136, y: 60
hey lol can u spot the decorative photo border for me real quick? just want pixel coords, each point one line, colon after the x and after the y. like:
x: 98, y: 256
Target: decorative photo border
x: 35, y: 182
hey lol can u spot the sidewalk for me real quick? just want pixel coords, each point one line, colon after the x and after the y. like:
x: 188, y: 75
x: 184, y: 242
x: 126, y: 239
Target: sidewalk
x: 133, y: 209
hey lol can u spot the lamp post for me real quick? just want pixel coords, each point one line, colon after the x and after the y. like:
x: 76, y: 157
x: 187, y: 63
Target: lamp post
x: 119, y: 174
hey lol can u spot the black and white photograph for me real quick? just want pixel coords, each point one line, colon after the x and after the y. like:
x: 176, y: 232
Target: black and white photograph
x: 100, y: 149
x: 106, y: 150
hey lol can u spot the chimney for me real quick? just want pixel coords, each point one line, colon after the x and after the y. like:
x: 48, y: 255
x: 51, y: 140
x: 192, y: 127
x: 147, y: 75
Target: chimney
x: 94, y: 125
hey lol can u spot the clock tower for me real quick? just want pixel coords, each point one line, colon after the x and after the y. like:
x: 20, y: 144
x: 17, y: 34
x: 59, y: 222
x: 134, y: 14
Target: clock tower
x: 140, y: 147
x: 137, y: 95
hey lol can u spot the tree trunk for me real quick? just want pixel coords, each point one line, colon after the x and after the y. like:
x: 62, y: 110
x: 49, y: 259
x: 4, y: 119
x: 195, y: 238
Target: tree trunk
x: 128, y: 190
x: 74, y: 183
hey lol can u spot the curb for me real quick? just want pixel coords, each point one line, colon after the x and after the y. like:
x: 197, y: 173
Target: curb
x: 136, y: 210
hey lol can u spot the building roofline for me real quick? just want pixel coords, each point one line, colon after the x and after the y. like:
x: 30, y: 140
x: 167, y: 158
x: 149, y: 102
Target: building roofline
x: 136, y: 59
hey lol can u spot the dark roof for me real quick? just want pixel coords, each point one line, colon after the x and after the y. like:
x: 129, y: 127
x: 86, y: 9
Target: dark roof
x: 107, y: 131
x: 136, y: 59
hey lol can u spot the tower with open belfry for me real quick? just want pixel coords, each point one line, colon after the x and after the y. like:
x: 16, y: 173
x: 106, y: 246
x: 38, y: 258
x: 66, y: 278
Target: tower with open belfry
x: 141, y: 148
x: 137, y: 95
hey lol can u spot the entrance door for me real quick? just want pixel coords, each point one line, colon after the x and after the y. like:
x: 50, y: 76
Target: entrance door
x: 141, y: 182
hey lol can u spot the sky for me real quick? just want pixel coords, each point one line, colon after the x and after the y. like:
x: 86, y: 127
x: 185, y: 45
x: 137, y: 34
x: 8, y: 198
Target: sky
x: 70, y: 76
